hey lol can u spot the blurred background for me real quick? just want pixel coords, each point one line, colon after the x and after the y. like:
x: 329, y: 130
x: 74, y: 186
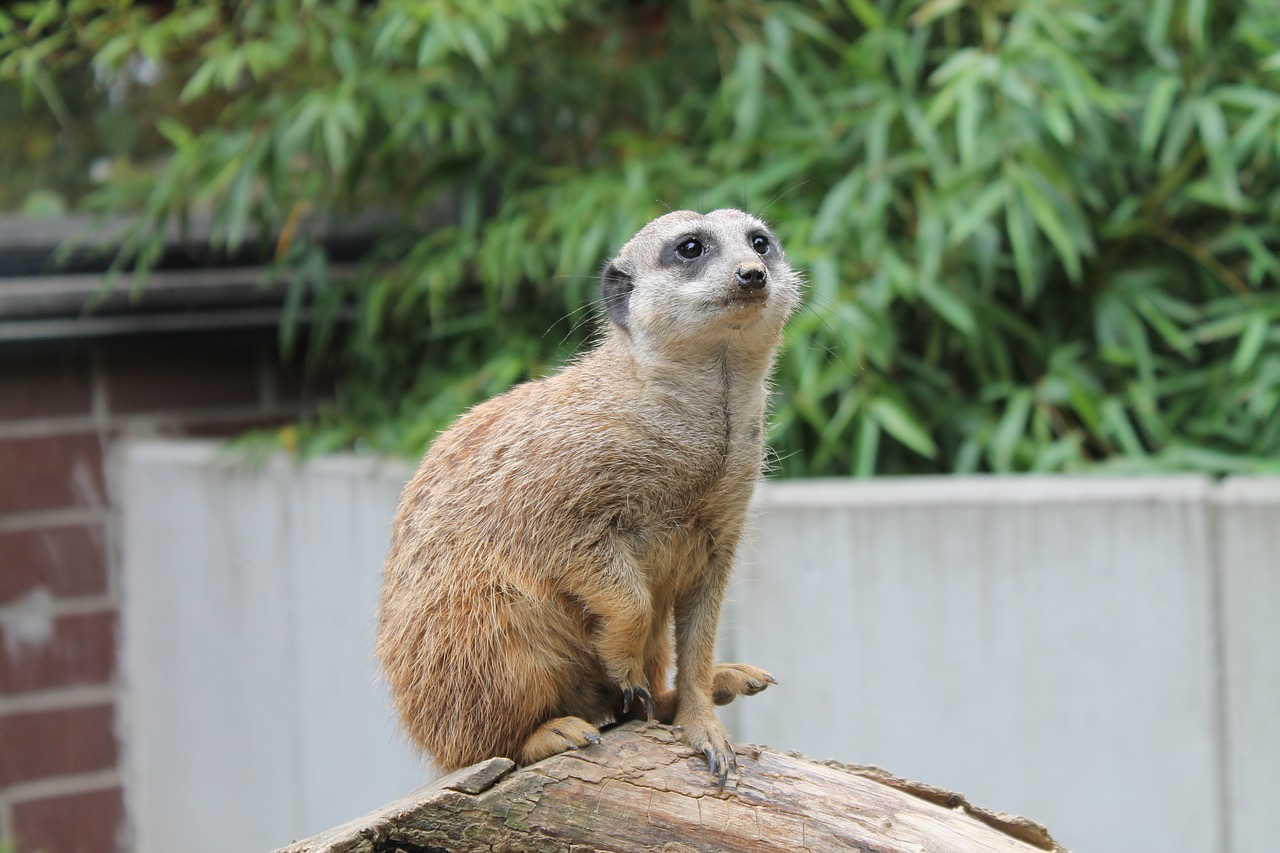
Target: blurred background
x: 1040, y: 238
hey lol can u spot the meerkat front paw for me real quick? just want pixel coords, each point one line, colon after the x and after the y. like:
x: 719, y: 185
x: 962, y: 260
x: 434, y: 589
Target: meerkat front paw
x: 710, y: 738
x: 732, y: 680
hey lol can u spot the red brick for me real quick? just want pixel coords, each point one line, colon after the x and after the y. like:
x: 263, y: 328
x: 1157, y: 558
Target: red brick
x: 141, y: 380
x: 39, y: 745
x: 45, y: 386
x: 66, y: 560
x: 91, y: 822
x: 51, y: 472
x: 80, y: 649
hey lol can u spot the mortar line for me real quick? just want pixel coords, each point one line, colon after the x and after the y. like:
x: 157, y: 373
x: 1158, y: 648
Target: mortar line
x: 65, y: 699
x: 63, y: 786
x: 48, y: 427
x: 44, y: 518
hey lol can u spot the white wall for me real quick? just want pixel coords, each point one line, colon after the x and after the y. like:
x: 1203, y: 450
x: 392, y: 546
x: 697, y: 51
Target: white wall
x: 1100, y: 655
x: 1044, y: 646
x: 1248, y: 536
x: 252, y: 714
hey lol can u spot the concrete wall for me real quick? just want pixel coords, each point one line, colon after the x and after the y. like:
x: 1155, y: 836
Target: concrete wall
x: 1248, y: 567
x: 1045, y: 646
x: 252, y: 715
x: 1100, y: 655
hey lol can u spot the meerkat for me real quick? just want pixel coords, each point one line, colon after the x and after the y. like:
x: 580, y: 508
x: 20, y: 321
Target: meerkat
x: 558, y: 538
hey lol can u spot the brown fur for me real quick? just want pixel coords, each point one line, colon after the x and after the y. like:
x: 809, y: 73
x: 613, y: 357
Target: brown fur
x: 557, y: 539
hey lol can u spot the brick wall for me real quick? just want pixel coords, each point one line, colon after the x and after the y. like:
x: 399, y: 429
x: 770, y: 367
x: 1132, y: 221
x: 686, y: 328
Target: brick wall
x: 61, y: 409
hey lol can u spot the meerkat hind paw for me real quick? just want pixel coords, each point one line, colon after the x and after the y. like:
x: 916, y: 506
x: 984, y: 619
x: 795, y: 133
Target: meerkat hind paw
x: 732, y: 680
x: 556, y: 736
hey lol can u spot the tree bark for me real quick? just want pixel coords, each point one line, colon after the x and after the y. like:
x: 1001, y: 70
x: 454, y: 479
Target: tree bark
x: 642, y: 790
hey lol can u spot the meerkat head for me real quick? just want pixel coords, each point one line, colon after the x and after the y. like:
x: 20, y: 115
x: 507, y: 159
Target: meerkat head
x: 688, y: 278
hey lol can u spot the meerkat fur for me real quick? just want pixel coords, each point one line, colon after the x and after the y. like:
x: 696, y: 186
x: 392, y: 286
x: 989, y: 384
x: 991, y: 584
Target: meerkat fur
x: 558, y: 540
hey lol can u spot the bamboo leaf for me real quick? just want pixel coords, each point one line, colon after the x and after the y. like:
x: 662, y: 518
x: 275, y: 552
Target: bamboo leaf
x: 932, y: 10
x: 950, y: 307
x: 1213, y: 135
x: 1116, y: 423
x: 1252, y: 340
x: 1156, y: 115
x: 1045, y: 214
x: 836, y: 204
x: 978, y: 211
x: 902, y: 424
x: 1009, y: 431
x: 1019, y: 229
x: 866, y: 447
x: 968, y: 116
x: 960, y: 63
x: 867, y: 13
x: 199, y: 82
x: 1197, y: 11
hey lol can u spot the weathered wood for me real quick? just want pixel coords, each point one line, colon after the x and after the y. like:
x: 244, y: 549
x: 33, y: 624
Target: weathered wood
x: 641, y: 790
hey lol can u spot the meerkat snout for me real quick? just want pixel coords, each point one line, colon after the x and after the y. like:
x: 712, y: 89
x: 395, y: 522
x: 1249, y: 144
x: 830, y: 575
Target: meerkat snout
x: 752, y: 276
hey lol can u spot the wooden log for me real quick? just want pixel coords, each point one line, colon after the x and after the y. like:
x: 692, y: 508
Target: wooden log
x: 641, y: 790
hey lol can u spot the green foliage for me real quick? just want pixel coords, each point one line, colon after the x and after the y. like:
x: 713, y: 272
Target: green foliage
x: 1040, y: 235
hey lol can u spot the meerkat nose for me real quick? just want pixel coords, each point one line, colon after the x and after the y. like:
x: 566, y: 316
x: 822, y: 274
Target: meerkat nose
x: 751, y: 276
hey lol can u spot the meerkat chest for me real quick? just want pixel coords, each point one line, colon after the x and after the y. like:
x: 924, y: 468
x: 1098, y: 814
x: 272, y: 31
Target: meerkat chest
x: 689, y: 538
x: 711, y: 436
x: 704, y: 480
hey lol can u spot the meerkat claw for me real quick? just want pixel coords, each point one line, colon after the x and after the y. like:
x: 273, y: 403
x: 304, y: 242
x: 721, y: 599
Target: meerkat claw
x: 720, y: 764
x: 725, y: 764
x: 640, y: 694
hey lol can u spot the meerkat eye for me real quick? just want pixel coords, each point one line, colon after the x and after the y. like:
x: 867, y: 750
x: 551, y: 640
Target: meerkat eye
x: 760, y: 244
x: 690, y: 249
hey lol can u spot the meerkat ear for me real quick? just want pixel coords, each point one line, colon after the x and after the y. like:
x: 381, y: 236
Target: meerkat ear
x: 617, y: 287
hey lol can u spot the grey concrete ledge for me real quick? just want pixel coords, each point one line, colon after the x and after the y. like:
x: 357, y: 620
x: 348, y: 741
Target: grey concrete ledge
x: 986, y: 489
x: 823, y: 492
x: 213, y: 453
x: 1249, y: 490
